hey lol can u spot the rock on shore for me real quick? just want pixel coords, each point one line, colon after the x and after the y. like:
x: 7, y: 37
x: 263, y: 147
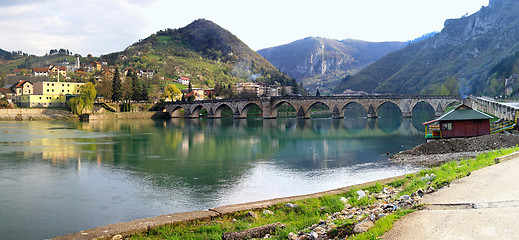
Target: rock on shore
x: 437, y: 152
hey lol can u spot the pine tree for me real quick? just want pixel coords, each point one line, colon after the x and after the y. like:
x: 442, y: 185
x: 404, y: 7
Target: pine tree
x: 117, y: 88
x: 190, y: 87
x: 317, y: 93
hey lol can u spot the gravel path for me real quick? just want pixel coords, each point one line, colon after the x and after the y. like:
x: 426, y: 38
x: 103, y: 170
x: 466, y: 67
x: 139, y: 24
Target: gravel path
x: 437, y: 152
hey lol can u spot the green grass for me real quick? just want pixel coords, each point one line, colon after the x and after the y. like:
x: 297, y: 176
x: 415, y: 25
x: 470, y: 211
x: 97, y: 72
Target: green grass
x: 312, y: 210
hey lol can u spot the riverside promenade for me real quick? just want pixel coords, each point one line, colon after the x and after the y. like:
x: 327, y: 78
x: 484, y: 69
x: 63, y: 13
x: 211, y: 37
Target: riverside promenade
x: 484, y: 205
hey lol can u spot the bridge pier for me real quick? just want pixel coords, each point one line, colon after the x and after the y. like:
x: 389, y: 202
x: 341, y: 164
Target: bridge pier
x: 407, y: 115
x: 371, y: 112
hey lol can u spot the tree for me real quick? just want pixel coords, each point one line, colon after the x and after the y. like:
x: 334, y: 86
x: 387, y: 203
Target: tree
x: 172, y: 92
x: 85, y: 99
x: 88, y: 93
x: 317, y: 93
x: 190, y: 87
x: 117, y: 88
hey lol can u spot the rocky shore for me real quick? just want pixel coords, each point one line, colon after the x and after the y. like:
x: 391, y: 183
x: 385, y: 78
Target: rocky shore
x: 437, y: 152
x: 363, y: 218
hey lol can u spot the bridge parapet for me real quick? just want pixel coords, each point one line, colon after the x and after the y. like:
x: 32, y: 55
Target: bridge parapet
x: 504, y: 110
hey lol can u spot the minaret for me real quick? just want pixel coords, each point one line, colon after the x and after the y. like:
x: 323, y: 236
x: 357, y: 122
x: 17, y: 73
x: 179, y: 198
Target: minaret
x: 78, y: 65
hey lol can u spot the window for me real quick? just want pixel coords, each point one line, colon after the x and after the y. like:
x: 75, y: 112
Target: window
x: 63, y: 90
x: 53, y: 84
x: 446, y: 126
x: 47, y: 90
x: 40, y: 97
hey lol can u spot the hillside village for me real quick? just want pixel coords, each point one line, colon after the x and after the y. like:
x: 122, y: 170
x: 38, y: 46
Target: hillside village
x: 53, y: 85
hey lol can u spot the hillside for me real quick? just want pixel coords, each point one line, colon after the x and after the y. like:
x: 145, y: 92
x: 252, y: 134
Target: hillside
x: 322, y: 62
x: 3, y: 53
x: 202, y: 51
x: 466, y: 49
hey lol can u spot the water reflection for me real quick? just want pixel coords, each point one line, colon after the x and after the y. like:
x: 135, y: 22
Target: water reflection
x: 104, y: 168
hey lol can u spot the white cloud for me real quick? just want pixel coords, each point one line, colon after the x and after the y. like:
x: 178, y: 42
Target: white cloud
x: 94, y: 26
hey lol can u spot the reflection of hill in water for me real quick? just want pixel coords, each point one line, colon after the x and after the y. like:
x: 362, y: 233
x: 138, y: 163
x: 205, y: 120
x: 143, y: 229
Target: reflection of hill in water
x: 207, y: 154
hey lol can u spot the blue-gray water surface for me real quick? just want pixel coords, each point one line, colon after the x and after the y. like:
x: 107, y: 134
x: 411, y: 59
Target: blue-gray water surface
x: 59, y: 177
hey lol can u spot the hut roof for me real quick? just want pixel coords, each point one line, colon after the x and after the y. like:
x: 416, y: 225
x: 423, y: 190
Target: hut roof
x: 462, y: 112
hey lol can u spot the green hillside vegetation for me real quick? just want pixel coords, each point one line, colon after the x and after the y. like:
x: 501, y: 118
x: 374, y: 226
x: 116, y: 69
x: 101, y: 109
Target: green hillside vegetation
x: 202, y: 51
x: 466, y: 49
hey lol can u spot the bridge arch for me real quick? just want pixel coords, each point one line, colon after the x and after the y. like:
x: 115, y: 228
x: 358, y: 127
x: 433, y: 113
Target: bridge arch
x: 308, y: 111
x: 352, y: 109
x: 176, y: 112
x: 195, y: 111
x: 220, y: 108
x: 274, y: 111
x: 389, y: 105
x: 245, y: 109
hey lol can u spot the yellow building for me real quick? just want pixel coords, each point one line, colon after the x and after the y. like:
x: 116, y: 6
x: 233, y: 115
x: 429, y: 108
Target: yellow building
x: 42, y: 101
x: 52, y: 88
x: 49, y: 94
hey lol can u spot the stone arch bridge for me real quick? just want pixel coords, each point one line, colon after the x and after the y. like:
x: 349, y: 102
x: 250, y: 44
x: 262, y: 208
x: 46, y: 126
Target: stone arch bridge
x: 304, y: 104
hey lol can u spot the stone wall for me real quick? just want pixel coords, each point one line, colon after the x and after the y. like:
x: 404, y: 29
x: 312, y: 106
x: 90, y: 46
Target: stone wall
x: 28, y: 114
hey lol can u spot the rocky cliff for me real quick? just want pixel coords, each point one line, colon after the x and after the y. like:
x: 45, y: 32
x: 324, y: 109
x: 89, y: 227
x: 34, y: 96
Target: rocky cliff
x: 467, y: 48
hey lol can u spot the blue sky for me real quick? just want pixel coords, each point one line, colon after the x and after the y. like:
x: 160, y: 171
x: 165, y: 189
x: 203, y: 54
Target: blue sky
x: 101, y: 26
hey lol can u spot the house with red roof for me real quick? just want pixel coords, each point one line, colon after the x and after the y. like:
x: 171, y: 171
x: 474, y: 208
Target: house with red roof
x: 183, y: 80
x: 40, y: 71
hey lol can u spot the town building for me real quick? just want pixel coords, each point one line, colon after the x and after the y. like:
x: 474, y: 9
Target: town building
x: 462, y: 121
x: 146, y: 73
x: 40, y: 71
x: 261, y: 90
x: 49, y: 94
x: 57, y: 88
x: 183, y: 80
x: 22, y: 88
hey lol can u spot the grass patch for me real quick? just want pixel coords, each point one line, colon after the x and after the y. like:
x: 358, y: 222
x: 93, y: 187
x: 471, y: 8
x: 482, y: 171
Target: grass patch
x: 313, y: 210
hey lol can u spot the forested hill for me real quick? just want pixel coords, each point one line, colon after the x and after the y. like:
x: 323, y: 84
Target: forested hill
x: 202, y: 51
x: 3, y: 53
x: 466, y: 49
x: 322, y: 63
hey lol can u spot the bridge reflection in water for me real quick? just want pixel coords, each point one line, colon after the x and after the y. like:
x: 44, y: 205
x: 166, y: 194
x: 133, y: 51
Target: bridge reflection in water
x: 121, y: 170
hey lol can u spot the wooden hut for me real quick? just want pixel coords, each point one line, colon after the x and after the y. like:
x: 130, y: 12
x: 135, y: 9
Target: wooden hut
x: 462, y: 121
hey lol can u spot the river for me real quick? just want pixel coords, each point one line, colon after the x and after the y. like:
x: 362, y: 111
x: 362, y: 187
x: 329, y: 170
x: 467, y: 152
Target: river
x: 60, y: 177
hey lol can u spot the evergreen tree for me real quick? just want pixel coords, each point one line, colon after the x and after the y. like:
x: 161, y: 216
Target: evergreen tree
x: 190, y: 87
x: 317, y: 93
x: 117, y: 88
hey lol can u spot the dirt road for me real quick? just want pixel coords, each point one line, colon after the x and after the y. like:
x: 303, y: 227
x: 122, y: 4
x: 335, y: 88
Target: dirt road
x: 484, y: 205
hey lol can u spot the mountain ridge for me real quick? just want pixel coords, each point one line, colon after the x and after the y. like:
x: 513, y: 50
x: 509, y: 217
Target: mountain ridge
x: 466, y: 49
x: 321, y: 62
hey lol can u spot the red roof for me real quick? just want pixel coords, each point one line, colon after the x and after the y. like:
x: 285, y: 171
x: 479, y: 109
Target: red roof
x: 20, y: 84
x: 40, y: 69
x: 184, y: 78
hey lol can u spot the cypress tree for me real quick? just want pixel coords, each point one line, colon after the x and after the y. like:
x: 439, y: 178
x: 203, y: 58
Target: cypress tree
x: 117, y: 88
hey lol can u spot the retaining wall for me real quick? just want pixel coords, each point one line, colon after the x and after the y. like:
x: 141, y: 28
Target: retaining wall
x: 29, y: 114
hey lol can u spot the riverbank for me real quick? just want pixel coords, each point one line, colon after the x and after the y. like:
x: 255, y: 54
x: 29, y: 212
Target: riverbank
x: 437, y: 152
x: 46, y: 114
x: 33, y: 114
x: 378, y: 204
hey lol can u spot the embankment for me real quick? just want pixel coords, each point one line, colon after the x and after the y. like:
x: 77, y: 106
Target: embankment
x: 29, y: 114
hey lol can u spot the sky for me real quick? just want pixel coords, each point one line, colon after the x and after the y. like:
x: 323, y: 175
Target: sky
x: 103, y: 26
